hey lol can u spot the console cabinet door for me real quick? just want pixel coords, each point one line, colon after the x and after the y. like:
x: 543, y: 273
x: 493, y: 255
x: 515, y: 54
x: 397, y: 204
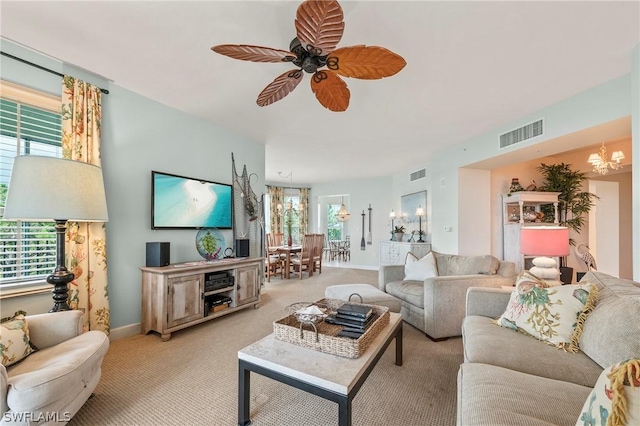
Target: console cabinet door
x: 247, y: 284
x: 185, y: 299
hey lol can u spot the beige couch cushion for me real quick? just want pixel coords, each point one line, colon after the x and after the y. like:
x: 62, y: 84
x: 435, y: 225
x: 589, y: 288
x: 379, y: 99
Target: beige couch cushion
x: 409, y: 291
x: 611, y: 333
x: 486, y: 342
x: 453, y: 264
x: 490, y: 395
x: 56, y: 373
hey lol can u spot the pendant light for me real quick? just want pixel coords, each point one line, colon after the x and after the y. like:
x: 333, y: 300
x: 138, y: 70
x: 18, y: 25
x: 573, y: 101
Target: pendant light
x: 343, y: 215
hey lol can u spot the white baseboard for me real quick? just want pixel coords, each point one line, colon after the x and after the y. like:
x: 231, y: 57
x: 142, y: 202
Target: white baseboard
x: 347, y: 265
x: 124, y: 331
x: 367, y: 267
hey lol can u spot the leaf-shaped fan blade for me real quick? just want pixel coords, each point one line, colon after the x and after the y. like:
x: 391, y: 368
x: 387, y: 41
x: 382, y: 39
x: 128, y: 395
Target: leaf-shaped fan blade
x: 319, y: 26
x: 280, y: 87
x: 330, y: 90
x: 246, y: 52
x: 365, y: 62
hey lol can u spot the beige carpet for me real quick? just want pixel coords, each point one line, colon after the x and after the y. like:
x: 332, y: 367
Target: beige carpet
x: 193, y: 378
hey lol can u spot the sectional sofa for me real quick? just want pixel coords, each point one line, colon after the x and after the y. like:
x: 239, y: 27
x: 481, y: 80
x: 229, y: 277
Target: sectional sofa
x: 510, y: 378
x: 436, y: 305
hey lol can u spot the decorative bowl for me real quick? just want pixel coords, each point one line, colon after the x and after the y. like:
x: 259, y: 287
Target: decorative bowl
x: 311, y: 315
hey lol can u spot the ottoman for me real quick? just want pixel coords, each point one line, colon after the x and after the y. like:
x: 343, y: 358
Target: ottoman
x: 370, y: 295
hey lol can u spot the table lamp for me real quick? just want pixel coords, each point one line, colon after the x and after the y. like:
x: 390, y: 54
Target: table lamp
x: 49, y: 188
x: 545, y: 242
x: 392, y: 216
x: 420, y: 214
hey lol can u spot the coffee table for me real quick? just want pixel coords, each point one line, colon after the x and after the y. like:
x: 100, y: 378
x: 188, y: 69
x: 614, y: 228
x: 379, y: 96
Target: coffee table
x: 329, y: 376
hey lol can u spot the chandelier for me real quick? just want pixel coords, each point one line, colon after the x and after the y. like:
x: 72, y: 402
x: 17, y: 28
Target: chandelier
x: 289, y: 207
x: 600, y: 162
x: 343, y: 215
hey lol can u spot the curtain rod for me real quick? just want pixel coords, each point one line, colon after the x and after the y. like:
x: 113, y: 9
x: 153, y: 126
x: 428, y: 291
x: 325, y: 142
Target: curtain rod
x: 105, y: 91
x: 287, y: 187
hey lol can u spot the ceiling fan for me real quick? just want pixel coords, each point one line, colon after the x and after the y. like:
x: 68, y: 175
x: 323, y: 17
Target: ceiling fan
x: 319, y: 27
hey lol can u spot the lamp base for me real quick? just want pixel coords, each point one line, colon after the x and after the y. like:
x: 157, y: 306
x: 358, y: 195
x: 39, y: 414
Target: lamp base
x: 60, y: 281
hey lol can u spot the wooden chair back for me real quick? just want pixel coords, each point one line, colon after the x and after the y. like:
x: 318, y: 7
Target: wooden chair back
x: 276, y: 239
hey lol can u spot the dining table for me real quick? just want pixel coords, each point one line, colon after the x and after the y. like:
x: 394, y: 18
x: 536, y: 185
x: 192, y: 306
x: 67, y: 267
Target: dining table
x: 287, y: 251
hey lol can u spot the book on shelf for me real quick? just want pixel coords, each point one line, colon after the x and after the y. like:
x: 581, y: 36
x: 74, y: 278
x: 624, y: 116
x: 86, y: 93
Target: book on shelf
x: 354, y: 310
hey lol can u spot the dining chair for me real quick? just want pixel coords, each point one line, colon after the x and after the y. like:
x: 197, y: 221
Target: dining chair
x: 273, y: 264
x: 277, y: 239
x: 318, y: 252
x: 304, y: 260
x: 326, y: 248
x: 334, y: 249
x: 345, y: 249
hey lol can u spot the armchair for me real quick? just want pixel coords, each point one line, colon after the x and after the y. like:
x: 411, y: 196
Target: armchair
x: 50, y: 385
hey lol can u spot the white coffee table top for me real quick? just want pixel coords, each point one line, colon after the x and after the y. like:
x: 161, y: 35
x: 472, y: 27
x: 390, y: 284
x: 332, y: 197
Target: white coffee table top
x: 331, y: 372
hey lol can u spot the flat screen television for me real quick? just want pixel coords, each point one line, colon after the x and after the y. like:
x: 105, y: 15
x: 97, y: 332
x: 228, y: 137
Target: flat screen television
x: 180, y: 202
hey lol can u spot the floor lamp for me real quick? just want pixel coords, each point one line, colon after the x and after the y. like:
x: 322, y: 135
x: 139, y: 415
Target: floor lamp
x: 545, y: 242
x: 49, y: 188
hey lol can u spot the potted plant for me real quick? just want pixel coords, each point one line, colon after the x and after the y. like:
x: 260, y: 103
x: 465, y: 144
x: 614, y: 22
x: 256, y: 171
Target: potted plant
x: 573, y: 202
x: 398, y: 232
x: 289, y: 223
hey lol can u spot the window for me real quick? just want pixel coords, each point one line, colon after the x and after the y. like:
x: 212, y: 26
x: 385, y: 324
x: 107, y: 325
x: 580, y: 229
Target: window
x: 334, y: 226
x: 27, y: 249
x: 293, y: 201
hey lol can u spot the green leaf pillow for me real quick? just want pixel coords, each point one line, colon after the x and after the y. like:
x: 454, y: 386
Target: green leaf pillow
x: 15, y: 344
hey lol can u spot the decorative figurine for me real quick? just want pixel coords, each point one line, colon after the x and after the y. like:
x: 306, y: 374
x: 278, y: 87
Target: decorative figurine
x: 515, y: 186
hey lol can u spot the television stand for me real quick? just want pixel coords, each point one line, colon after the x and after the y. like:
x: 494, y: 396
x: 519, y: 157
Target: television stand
x: 180, y: 295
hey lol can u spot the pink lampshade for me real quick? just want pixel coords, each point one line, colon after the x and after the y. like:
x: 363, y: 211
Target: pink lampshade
x: 549, y: 241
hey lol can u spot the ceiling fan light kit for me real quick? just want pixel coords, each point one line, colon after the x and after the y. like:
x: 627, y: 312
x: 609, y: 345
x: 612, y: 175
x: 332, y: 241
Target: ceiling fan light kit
x: 319, y: 28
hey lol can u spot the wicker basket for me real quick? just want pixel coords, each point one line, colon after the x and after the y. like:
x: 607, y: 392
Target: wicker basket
x: 325, y: 336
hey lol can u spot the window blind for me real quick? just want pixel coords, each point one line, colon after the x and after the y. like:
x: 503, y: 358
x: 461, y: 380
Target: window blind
x: 27, y: 249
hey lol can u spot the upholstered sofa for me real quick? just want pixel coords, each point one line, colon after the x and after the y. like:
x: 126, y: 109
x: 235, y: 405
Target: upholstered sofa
x: 51, y: 384
x: 511, y: 378
x: 436, y: 305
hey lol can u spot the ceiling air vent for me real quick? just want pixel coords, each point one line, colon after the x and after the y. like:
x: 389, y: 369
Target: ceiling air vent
x: 523, y: 133
x: 418, y: 175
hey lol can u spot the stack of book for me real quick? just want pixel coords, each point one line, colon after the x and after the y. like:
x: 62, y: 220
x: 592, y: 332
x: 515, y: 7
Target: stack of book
x: 354, y: 319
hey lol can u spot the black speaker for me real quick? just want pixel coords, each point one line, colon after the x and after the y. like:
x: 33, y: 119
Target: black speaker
x: 158, y: 254
x: 242, y: 248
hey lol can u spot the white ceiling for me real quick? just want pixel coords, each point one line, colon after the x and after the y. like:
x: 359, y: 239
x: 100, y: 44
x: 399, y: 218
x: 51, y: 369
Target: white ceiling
x: 471, y: 67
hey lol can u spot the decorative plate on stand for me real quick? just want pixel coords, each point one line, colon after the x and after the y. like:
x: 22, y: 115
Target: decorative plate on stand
x: 210, y: 243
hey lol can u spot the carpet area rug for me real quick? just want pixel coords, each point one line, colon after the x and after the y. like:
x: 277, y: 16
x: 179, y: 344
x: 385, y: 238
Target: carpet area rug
x: 193, y: 378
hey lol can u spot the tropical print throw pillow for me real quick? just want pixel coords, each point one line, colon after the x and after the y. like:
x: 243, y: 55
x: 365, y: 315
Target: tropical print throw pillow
x: 552, y: 314
x: 615, y: 399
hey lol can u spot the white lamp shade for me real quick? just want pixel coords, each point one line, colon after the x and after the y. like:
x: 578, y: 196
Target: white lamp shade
x: 594, y: 159
x: 617, y: 156
x: 420, y: 211
x: 49, y: 188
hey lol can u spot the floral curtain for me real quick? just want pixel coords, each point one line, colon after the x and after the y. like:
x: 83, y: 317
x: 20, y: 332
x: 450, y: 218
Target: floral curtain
x: 85, y: 242
x: 304, y: 212
x: 276, y: 196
